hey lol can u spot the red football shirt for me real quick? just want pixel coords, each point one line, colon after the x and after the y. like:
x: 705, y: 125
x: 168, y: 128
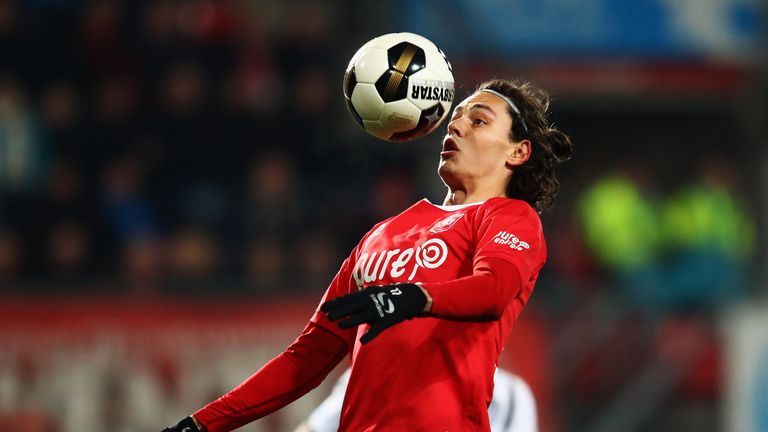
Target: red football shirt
x: 429, y: 373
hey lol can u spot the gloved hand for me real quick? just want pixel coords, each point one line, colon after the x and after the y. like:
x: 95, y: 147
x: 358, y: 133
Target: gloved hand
x: 380, y: 306
x: 185, y: 425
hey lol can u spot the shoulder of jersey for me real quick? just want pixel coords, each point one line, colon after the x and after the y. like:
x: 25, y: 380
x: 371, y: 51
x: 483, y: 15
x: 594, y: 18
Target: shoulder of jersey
x: 379, y: 224
x: 511, y: 205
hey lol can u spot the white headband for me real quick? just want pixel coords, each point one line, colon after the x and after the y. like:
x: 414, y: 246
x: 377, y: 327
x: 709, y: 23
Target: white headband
x: 510, y: 103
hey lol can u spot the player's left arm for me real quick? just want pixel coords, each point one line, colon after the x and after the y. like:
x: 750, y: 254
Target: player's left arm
x: 482, y: 296
x: 509, y: 252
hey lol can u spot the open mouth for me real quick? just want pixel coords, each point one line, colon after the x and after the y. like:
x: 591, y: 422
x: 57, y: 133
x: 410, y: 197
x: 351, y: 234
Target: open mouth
x: 449, y: 145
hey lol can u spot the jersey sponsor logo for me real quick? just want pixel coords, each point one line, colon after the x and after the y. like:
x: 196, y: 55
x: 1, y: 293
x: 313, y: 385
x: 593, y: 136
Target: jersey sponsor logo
x: 508, y: 239
x: 446, y: 224
x: 394, y: 263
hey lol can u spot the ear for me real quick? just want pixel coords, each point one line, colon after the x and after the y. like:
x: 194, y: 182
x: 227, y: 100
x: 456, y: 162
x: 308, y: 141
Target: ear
x: 519, y: 153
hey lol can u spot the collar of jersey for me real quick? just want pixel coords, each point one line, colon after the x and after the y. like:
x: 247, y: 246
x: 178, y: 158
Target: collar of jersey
x: 452, y: 207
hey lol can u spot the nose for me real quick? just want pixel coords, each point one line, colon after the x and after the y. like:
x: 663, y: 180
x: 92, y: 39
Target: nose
x: 454, y: 127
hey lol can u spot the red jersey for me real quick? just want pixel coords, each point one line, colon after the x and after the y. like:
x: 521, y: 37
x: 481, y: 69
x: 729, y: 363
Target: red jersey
x: 430, y: 373
x: 478, y: 262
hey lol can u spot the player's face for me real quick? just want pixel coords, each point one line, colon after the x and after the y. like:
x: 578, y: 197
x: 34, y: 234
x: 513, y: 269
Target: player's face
x: 478, y: 145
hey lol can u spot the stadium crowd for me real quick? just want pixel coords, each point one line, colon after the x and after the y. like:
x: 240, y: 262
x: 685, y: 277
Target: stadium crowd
x: 168, y: 143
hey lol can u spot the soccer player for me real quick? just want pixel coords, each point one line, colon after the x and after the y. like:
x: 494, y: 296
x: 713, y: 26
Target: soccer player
x: 512, y: 409
x: 426, y: 300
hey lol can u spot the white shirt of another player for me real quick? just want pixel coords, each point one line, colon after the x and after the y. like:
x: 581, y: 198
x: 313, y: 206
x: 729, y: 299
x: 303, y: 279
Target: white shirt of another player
x: 512, y: 409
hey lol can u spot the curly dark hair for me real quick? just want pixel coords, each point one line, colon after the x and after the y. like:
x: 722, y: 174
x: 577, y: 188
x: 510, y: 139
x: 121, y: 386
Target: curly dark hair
x: 534, y: 181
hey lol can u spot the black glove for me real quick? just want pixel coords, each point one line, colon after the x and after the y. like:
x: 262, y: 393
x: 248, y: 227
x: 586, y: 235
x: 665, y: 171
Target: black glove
x: 185, y: 425
x: 380, y: 306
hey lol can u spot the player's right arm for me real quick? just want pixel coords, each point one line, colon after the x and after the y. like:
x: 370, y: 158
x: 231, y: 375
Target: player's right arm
x: 290, y: 375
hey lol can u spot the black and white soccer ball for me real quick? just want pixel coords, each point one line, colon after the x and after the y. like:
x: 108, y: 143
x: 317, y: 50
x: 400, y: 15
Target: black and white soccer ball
x: 399, y: 86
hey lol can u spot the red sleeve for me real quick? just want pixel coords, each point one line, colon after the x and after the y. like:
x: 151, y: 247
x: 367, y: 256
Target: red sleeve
x: 509, y: 252
x: 482, y: 296
x: 290, y: 375
x: 510, y: 230
x: 300, y: 368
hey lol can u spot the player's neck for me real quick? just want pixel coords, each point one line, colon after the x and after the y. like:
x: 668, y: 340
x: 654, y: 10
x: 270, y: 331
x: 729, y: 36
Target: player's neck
x: 458, y: 196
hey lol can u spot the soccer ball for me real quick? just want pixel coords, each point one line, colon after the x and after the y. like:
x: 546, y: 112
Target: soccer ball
x: 399, y: 86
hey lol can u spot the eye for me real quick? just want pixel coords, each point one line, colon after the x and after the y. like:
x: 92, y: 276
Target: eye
x: 479, y: 121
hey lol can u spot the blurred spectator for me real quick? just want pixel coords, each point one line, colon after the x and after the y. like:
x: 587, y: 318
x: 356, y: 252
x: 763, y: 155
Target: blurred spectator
x: 160, y: 21
x: 392, y: 192
x: 621, y: 229
x: 266, y: 267
x: 312, y: 94
x: 193, y: 261
x: 116, y: 99
x: 69, y: 254
x: 70, y: 198
x: 101, y: 37
x: 115, y: 126
x: 142, y: 265
x: 693, y: 251
x: 206, y: 204
x: 210, y: 22
x: 708, y: 214
x: 11, y: 41
x: 129, y: 213
x: 193, y: 162
x: 620, y: 223
x: 60, y: 108
x: 25, y: 153
x: 710, y: 237
x: 308, y: 34
x: 272, y: 201
x: 8, y: 16
x: 183, y: 90
x: 256, y: 85
x: 317, y: 259
x: 311, y: 21
x: 11, y: 258
x: 160, y: 41
x: 313, y: 123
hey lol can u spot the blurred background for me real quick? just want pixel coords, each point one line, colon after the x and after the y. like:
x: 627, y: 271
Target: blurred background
x: 180, y: 180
